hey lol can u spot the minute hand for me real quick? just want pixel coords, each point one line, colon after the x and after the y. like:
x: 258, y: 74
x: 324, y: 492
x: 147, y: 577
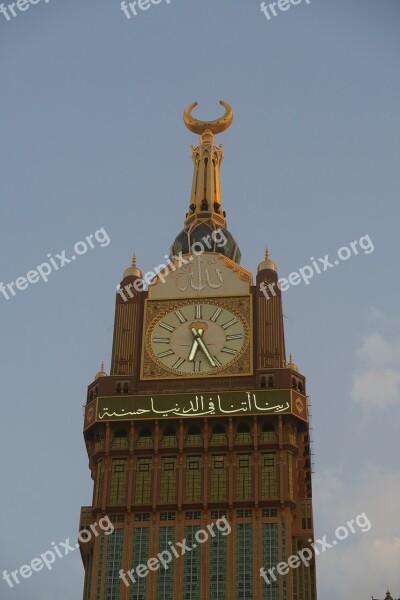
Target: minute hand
x: 203, y: 346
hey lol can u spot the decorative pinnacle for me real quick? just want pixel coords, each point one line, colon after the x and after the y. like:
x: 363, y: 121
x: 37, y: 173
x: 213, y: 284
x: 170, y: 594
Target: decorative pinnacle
x: 134, y: 261
x: 267, y: 262
x: 102, y: 372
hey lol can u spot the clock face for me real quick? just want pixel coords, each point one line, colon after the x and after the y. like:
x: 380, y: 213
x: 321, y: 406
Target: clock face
x: 197, y: 338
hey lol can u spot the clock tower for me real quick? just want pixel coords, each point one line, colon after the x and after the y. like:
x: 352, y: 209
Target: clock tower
x: 199, y: 437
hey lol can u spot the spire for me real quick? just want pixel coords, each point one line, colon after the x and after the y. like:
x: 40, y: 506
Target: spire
x: 102, y: 372
x: 291, y: 364
x: 267, y: 262
x: 133, y: 270
x: 207, y: 159
x: 205, y: 213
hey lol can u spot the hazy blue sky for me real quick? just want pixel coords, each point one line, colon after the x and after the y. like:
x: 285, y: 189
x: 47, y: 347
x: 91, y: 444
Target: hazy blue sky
x: 92, y: 136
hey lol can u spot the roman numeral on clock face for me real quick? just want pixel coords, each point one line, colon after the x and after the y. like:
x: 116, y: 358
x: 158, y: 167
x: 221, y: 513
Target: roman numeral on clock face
x: 167, y: 327
x: 161, y: 340
x: 229, y: 351
x: 229, y: 323
x: 180, y: 316
x: 178, y: 363
x: 166, y: 353
x: 236, y: 336
x: 197, y: 366
x: 198, y: 310
x: 216, y: 314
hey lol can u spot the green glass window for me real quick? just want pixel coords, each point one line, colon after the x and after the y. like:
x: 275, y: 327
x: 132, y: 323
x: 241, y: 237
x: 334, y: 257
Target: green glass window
x: 193, y: 478
x: 143, y: 481
x: 218, y: 477
x: 99, y: 481
x: 219, y: 435
x: 194, y: 437
x: 244, y: 562
x: 99, y: 442
x: 218, y: 579
x: 118, y: 481
x: 291, y: 435
x: 269, y: 475
x: 168, y: 479
x: 290, y: 475
x: 88, y: 578
x: 100, y: 563
x: 165, y: 578
x: 270, y: 559
x: 306, y: 516
x: 140, y: 556
x: 268, y: 434
x: 243, y: 434
x: 169, y: 437
x: 243, y: 476
x: 145, y: 439
x: 120, y: 440
x: 191, y: 572
x: 112, y: 582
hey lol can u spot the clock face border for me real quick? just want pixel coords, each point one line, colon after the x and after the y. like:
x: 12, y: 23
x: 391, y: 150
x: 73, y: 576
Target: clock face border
x: 155, y: 310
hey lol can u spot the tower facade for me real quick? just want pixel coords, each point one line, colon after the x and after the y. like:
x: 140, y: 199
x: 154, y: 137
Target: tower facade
x: 198, y: 440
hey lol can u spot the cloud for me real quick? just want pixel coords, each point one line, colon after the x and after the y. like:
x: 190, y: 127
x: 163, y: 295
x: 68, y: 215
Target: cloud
x: 366, y: 562
x: 376, y: 381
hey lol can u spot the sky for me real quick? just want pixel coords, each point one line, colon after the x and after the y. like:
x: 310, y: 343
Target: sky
x: 92, y: 140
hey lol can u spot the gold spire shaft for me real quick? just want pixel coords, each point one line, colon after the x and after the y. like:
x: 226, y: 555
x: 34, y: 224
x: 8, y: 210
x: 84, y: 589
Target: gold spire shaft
x: 206, y: 189
x: 205, y: 199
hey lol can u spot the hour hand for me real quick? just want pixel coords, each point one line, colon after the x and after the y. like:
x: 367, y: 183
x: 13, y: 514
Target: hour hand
x: 198, y: 337
x: 195, y: 344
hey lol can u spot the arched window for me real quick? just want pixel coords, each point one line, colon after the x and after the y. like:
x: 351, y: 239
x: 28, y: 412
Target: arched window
x: 126, y: 387
x: 300, y: 387
x: 91, y: 395
x: 194, y: 436
x: 270, y: 381
x: 145, y: 439
x: 291, y: 434
x: 263, y: 382
x: 294, y: 383
x: 169, y: 437
x: 118, y: 387
x: 120, y: 439
x: 218, y: 435
x: 268, y: 433
x: 243, y: 433
x: 99, y: 441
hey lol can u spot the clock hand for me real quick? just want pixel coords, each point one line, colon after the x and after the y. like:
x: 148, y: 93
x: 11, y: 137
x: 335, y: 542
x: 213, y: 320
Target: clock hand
x: 198, y: 337
x: 193, y: 349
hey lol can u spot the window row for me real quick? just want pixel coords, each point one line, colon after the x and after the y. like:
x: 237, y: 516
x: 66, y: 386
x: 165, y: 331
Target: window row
x: 194, y: 478
x: 194, y: 437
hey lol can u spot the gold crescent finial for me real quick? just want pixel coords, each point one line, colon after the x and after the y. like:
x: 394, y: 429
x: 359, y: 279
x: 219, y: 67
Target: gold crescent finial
x: 217, y: 126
